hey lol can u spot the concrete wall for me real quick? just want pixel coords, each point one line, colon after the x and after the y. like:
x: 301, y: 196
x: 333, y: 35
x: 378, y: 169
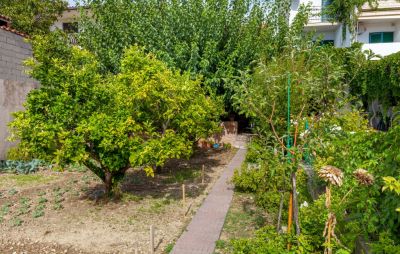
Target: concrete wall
x: 14, y: 82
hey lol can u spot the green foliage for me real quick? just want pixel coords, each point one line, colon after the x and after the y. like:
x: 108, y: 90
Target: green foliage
x: 267, y: 240
x: 215, y: 38
x: 379, y: 80
x: 140, y: 117
x: 32, y: 16
x: 16, y: 221
x: 21, y: 167
x: 385, y: 245
x: 169, y: 248
x: 39, y: 211
x: 346, y: 12
x: 319, y: 81
x: 367, y: 210
x: 393, y: 185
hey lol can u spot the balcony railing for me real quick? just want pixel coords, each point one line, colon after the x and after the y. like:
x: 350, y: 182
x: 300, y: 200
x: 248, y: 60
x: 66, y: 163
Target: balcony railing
x: 317, y: 15
x: 73, y: 38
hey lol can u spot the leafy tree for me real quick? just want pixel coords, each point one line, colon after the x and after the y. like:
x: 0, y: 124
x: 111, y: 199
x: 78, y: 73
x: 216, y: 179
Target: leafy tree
x: 140, y: 117
x: 32, y: 16
x: 215, y: 38
x: 346, y: 12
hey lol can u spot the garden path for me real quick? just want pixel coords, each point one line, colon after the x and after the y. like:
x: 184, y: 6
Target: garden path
x: 205, y: 228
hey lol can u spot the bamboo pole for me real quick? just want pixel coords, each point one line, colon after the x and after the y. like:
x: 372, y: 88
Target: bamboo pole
x: 290, y: 216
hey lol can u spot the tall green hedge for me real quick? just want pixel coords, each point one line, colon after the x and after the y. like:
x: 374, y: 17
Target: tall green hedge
x: 379, y: 80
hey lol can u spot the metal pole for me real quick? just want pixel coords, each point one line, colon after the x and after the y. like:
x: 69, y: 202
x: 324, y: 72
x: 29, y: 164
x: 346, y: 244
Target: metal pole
x: 288, y: 142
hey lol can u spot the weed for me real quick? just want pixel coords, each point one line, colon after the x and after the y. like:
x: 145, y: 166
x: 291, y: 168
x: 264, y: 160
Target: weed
x: 25, y: 205
x: 58, y: 206
x: 12, y: 192
x: 5, y: 208
x: 182, y: 176
x: 126, y: 197
x: 16, y: 221
x: 42, y: 200
x: 220, y: 244
x: 37, y: 213
x: 22, y: 180
x: 169, y: 248
x: 42, y: 193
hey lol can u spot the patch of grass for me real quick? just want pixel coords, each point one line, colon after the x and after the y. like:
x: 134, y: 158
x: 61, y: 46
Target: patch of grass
x: 242, y: 220
x: 182, y: 176
x: 76, y: 168
x: 169, y: 248
x: 220, y: 244
x: 23, y: 180
x: 127, y: 197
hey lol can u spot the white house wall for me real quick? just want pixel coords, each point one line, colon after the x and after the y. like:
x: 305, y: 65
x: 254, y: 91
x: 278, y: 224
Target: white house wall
x: 366, y: 29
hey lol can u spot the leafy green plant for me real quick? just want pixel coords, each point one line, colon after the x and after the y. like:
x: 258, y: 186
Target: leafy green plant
x: 393, y: 185
x: 21, y: 167
x: 24, y: 206
x: 32, y: 16
x: 42, y: 200
x: 141, y: 117
x: 216, y: 38
x: 12, y: 192
x: 16, y: 221
x: 39, y: 211
x: 169, y: 247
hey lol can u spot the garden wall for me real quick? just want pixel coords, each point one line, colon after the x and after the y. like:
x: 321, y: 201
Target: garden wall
x: 14, y: 82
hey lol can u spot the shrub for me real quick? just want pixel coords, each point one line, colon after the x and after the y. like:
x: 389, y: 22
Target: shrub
x: 141, y: 117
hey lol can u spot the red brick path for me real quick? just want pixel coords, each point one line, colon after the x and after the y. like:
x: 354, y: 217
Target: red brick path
x: 206, y: 226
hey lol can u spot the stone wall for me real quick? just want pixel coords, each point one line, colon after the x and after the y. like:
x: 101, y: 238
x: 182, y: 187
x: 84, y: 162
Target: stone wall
x: 14, y: 82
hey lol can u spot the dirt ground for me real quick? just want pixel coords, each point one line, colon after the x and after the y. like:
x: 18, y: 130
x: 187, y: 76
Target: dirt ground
x: 66, y: 212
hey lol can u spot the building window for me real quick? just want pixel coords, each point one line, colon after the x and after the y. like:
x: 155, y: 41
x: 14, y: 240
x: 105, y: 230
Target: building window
x: 324, y: 5
x: 381, y: 37
x: 327, y: 43
x: 70, y: 27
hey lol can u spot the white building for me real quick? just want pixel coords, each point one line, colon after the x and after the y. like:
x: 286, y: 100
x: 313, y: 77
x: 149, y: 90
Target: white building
x: 68, y: 21
x: 378, y: 29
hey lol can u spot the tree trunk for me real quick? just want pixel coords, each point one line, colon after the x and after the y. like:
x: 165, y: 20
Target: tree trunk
x: 295, y: 204
x: 108, y: 182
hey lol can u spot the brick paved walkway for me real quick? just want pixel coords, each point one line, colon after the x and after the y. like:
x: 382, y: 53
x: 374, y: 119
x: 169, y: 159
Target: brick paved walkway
x: 206, y: 226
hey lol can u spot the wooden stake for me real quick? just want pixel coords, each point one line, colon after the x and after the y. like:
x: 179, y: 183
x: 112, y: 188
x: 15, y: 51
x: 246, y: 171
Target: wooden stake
x: 202, y: 175
x: 183, y: 194
x: 290, y: 216
x: 136, y: 251
x: 152, y: 239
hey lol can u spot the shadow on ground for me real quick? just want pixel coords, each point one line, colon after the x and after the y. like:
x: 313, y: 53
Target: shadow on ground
x: 167, y: 183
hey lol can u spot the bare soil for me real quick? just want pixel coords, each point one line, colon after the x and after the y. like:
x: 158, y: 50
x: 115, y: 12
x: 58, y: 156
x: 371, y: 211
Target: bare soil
x: 66, y: 212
